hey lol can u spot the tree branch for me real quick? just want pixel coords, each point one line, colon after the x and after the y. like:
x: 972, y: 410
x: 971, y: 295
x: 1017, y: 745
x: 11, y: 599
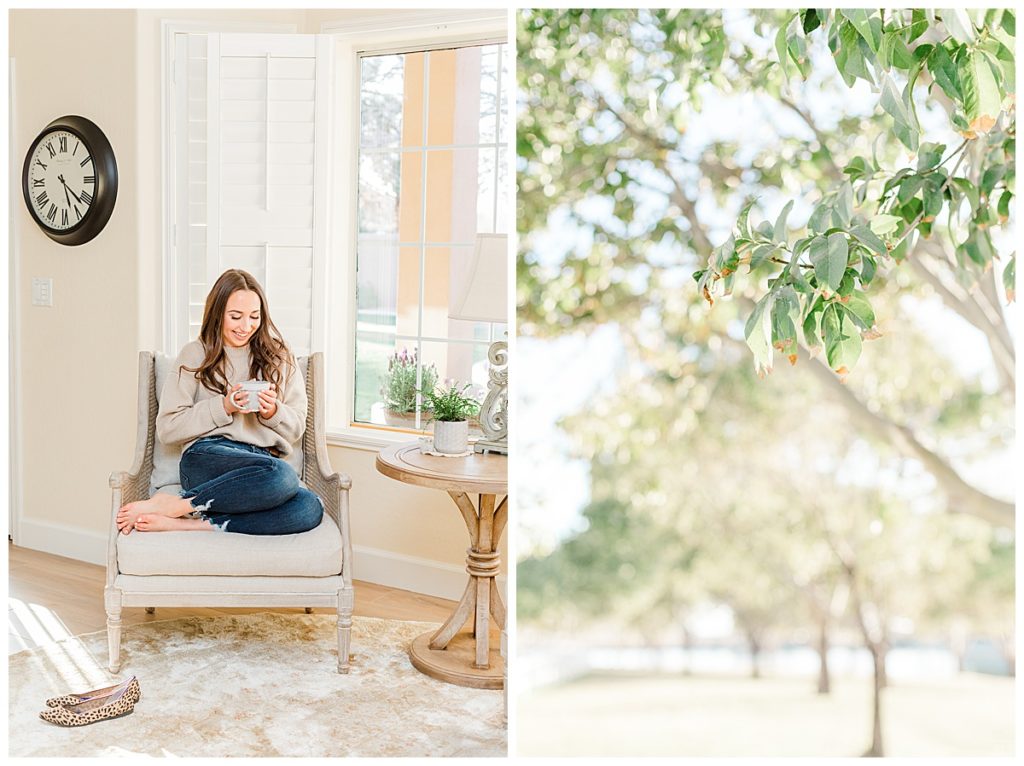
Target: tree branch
x: 966, y: 305
x: 833, y: 169
x: 961, y: 497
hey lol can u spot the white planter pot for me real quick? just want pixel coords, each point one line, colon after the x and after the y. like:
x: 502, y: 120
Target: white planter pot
x: 451, y: 437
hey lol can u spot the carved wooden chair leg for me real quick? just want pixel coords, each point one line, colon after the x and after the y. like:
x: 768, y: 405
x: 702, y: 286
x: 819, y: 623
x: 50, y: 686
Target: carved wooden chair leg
x: 346, y: 603
x: 112, y: 601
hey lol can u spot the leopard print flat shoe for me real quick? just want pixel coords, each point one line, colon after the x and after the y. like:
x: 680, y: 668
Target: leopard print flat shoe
x: 99, y: 709
x: 73, y: 699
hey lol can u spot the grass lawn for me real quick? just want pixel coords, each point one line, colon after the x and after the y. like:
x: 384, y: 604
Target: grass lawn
x: 618, y: 714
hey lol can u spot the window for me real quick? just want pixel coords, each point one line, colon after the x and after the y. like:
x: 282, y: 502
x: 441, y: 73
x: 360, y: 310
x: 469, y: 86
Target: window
x: 432, y: 156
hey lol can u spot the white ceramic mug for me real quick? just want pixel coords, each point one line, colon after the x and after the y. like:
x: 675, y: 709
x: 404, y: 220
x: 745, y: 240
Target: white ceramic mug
x: 253, y: 387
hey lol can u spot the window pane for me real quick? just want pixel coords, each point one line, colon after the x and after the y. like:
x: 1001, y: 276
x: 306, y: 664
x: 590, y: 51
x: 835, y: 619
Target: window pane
x: 379, y: 176
x: 502, y: 192
x: 448, y: 270
x: 506, y: 84
x: 460, y: 194
x: 488, y: 94
x: 410, y: 206
x: 382, y: 87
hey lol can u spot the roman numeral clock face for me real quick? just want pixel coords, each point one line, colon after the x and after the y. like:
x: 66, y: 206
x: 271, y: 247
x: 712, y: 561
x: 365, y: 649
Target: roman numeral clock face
x: 70, y: 180
x: 63, y: 180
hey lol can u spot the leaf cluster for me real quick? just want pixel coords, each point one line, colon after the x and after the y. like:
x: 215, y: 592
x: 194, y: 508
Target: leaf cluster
x: 874, y: 217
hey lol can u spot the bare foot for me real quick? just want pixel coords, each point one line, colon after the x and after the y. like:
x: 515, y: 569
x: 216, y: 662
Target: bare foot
x: 158, y: 523
x: 161, y: 504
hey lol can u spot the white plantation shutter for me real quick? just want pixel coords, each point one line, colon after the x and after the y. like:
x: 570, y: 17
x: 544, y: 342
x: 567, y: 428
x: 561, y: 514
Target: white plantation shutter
x: 254, y: 110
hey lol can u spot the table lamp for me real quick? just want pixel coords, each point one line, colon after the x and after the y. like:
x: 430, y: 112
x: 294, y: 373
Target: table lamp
x: 485, y: 299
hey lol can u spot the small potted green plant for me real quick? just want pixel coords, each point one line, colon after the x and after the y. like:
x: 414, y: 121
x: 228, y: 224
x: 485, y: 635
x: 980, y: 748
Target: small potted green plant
x: 451, y: 410
x: 398, y: 388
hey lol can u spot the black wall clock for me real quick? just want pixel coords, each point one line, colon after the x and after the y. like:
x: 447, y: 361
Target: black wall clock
x: 70, y: 180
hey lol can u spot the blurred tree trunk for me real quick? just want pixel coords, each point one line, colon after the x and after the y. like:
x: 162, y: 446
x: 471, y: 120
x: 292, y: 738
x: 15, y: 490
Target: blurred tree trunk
x: 878, y: 660
x: 688, y: 649
x: 824, y: 685
x: 1009, y: 645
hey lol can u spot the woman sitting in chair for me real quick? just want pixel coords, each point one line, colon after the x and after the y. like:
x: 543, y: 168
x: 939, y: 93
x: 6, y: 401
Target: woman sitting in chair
x: 232, y: 476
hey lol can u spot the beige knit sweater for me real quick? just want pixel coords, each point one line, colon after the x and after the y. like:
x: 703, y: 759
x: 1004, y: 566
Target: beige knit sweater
x: 189, y: 411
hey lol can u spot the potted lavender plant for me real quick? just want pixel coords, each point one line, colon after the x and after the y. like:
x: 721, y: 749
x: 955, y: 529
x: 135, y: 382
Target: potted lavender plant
x: 398, y: 388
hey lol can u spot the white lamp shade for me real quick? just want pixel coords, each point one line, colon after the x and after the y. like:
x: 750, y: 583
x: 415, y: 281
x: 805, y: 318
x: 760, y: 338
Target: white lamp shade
x: 484, y: 297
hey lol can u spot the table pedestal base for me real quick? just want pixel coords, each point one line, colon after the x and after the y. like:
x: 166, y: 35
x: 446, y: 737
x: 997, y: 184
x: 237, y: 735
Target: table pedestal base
x: 454, y: 663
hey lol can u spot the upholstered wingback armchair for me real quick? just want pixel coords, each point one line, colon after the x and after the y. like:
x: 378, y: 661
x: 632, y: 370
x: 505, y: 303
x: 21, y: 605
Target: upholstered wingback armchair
x: 182, y: 569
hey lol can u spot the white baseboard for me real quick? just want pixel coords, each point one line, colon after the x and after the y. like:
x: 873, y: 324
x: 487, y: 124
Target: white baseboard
x: 396, y: 570
x: 62, y: 540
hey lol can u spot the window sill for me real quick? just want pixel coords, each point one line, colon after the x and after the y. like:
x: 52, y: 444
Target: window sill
x: 369, y: 439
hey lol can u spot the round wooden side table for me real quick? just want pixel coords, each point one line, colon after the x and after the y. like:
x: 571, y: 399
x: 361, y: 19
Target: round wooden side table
x: 464, y: 657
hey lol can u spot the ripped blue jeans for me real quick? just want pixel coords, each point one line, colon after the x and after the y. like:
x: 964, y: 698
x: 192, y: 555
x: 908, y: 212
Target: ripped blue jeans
x: 238, y: 487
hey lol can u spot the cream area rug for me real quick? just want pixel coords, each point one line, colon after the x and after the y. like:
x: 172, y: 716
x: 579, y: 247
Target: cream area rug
x: 254, y: 685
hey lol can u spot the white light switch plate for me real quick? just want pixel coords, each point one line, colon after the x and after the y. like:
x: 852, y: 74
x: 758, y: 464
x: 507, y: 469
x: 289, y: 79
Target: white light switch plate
x: 42, y: 291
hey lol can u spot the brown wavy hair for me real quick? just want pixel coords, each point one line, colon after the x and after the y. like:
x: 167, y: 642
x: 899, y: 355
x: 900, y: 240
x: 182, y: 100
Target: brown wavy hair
x: 270, y: 354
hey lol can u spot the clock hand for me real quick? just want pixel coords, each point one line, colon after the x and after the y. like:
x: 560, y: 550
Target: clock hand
x: 65, y: 191
x: 67, y: 188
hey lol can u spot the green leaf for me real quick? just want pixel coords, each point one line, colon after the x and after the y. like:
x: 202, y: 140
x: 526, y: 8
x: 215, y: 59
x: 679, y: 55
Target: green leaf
x: 842, y: 340
x: 901, y: 56
x: 884, y: 224
x: 1010, y: 279
x: 860, y: 310
x: 982, y: 100
x: 959, y: 24
x: 1003, y: 207
x: 918, y: 25
x: 781, y: 47
x: 758, y: 333
x: 868, y: 26
x: 942, y: 69
x: 761, y: 254
x: 933, y: 198
x: 810, y: 21
x: 785, y: 315
x: 741, y: 222
x: 868, y: 269
x: 898, y: 106
x: 849, y: 56
x: 819, y: 217
x: 968, y: 189
x: 929, y: 155
x: 992, y: 175
x: 779, y: 231
x: 1009, y: 23
x: 869, y: 239
x: 812, y: 325
x: 829, y: 257
x: 910, y: 186
x: 798, y: 54
x: 843, y: 210
x: 857, y: 167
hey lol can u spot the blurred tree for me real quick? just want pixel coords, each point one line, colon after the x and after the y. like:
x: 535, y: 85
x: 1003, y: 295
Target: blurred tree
x: 617, y: 206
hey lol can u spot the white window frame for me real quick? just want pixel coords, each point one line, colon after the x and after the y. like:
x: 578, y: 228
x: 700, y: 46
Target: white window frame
x: 401, y: 32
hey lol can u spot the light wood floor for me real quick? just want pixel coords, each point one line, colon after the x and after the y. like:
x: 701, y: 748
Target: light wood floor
x: 51, y: 597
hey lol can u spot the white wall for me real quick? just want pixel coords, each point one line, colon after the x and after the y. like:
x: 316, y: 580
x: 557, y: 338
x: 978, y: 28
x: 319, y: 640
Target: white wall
x: 108, y: 306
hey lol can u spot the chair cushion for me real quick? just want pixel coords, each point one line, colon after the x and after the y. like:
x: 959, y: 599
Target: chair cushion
x: 316, y: 553
x: 165, y: 477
